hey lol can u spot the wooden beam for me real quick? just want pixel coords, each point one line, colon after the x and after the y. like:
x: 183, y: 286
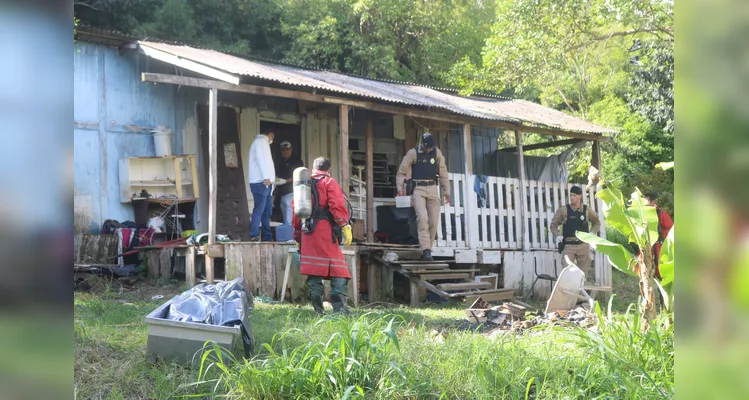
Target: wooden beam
x: 290, y: 94
x: 189, y: 65
x: 344, y: 154
x: 213, y: 177
x: 369, y: 139
x: 595, y: 159
x: 470, y: 203
x: 545, y: 145
x: 523, y: 199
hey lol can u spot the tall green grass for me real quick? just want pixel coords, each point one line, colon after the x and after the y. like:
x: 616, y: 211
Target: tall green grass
x: 386, y: 356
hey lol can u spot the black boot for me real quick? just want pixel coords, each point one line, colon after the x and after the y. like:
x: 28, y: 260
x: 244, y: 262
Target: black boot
x: 317, y: 305
x: 339, y: 304
x: 427, y: 255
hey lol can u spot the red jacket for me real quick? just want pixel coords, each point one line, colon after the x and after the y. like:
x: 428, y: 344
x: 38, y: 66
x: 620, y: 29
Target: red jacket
x: 665, y: 223
x: 319, y: 255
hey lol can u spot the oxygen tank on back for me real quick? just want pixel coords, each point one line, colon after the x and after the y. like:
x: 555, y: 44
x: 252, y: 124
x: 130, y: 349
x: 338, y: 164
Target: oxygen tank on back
x: 302, y: 193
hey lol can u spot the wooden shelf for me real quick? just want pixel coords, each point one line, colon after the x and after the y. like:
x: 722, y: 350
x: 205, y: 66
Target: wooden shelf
x: 171, y: 177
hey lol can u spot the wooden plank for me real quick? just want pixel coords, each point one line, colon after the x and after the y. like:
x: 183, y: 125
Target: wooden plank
x: 466, y: 256
x: 489, y: 257
x: 440, y: 262
x: 343, y: 147
x: 214, y: 250
x: 491, y: 296
x: 545, y: 145
x: 373, y: 280
x: 480, y: 292
x: 424, y: 266
x: 411, y: 112
x: 194, y: 171
x: 547, y: 215
x: 464, y: 285
x: 165, y: 263
x: 190, y: 267
x: 369, y: 139
x: 460, y: 238
x: 532, y: 213
x: 189, y: 65
x: 178, y: 177
x: 213, y: 178
x: 432, y: 277
x: 521, y: 173
x: 414, y: 293
x: 503, y: 213
x: 426, y: 271
x: 424, y: 284
x: 595, y: 158
x: 152, y: 258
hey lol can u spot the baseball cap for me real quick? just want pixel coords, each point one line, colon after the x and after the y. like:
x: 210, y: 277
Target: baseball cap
x: 427, y: 140
x: 285, y: 144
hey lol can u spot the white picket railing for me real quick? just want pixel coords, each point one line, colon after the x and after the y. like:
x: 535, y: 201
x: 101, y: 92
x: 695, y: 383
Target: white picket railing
x: 451, y: 231
x: 497, y: 223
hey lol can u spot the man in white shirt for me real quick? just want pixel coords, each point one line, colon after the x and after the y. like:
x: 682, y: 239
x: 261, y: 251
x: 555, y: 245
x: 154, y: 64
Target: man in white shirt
x: 262, y: 174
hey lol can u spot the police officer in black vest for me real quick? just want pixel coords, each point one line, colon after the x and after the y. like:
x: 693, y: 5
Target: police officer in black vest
x: 426, y: 166
x: 574, y: 217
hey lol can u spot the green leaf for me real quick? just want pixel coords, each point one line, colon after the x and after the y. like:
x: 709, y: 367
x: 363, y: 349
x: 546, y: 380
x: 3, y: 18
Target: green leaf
x: 667, y: 272
x: 666, y: 259
x: 619, y: 256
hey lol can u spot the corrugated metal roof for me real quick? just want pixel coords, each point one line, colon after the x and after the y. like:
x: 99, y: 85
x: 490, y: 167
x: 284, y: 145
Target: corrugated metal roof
x: 494, y: 109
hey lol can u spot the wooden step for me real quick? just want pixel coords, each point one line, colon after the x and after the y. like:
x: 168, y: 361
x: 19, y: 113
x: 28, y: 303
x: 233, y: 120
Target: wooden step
x: 464, y: 286
x: 481, y: 292
x: 492, y: 296
x: 425, y: 271
x: 425, y: 266
x: 433, y: 277
x: 421, y: 262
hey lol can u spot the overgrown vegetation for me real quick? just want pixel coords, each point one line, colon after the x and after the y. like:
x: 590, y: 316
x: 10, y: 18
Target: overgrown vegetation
x: 396, y: 353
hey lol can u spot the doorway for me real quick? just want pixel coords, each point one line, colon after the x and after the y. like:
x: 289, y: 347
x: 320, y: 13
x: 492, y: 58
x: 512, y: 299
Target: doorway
x: 232, y: 214
x: 283, y: 132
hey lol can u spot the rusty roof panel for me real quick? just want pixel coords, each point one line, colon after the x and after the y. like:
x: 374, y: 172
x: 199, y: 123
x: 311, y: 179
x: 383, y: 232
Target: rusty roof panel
x: 489, y: 108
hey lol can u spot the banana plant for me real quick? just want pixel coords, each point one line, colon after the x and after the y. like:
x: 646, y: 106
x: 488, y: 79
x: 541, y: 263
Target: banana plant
x: 638, y: 221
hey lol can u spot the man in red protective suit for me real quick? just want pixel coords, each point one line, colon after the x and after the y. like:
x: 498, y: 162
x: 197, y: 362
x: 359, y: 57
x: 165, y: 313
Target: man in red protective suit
x: 665, y: 223
x: 320, y: 254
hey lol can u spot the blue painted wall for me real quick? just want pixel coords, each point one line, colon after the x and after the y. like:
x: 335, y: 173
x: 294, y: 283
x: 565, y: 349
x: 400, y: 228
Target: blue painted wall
x: 113, y: 113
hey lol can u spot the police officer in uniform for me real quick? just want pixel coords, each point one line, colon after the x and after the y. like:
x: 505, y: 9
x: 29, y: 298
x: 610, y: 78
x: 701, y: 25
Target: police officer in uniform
x: 574, y: 217
x: 425, y: 164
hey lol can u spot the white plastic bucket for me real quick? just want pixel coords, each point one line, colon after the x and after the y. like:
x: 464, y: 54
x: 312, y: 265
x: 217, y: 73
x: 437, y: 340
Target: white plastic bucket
x: 402, y: 201
x: 162, y: 142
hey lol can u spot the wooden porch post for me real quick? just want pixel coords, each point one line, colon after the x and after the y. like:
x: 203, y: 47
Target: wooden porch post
x: 212, y: 179
x: 523, y: 199
x: 469, y: 199
x: 595, y: 158
x: 345, y: 167
x: 370, y: 181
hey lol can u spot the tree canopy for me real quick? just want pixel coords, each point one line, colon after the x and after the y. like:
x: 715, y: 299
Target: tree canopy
x: 607, y: 61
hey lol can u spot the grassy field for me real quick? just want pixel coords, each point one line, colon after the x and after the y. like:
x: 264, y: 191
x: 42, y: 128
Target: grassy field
x: 378, y: 353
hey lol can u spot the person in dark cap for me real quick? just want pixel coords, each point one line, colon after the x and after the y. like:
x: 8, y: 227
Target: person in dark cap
x: 284, y: 179
x: 574, y: 217
x: 426, y: 166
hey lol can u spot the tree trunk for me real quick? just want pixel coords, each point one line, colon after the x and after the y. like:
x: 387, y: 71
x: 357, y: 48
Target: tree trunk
x: 647, y: 287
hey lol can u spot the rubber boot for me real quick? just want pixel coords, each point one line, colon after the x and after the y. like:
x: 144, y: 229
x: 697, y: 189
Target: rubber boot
x: 317, y: 305
x: 427, y: 255
x: 339, y: 304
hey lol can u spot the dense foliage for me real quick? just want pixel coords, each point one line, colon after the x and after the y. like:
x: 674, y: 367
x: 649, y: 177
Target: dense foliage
x: 608, y: 61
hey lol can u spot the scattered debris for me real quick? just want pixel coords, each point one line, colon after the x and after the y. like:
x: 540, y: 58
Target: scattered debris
x: 157, y: 297
x: 390, y: 257
x: 516, y: 316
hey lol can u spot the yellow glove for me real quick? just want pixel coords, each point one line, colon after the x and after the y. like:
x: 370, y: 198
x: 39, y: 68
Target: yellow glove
x: 347, y: 236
